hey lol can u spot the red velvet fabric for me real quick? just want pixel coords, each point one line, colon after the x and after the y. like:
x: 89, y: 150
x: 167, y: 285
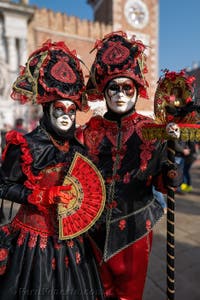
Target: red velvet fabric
x: 124, y: 275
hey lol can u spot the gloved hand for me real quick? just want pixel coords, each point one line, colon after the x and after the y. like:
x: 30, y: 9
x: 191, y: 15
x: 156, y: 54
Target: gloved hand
x: 51, y: 195
x: 172, y: 174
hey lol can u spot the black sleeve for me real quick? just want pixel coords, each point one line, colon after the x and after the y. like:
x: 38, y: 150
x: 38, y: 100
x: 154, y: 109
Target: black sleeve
x: 172, y: 173
x: 12, y: 178
x: 169, y: 174
x: 179, y: 146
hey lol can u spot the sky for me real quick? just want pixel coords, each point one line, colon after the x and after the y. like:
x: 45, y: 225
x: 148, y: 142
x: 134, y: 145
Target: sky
x: 179, y: 28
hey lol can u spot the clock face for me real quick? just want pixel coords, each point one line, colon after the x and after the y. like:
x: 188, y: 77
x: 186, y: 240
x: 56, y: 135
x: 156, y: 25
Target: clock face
x: 136, y: 13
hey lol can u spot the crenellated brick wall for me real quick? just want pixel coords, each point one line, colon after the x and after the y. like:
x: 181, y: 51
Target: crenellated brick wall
x: 77, y: 33
x: 82, y: 34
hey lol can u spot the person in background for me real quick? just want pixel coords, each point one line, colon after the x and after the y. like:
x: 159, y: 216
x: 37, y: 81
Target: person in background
x: 35, y: 262
x: 181, y: 153
x: 6, y: 128
x: 130, y: 164
x: 19, y: 126
x: 189, y: 159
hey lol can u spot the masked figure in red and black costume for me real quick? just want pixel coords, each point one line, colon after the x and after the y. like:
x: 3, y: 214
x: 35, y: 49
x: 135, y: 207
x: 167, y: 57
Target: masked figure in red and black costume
x: 34, y: 262
x: 130, y: 165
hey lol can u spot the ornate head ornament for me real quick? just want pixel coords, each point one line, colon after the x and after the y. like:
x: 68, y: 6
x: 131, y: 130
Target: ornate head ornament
x: 52, y: 72
x: 173, y: 95
x: 117, y: 56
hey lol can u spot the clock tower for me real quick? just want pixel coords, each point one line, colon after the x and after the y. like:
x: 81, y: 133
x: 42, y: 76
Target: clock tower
x: 139, y: 18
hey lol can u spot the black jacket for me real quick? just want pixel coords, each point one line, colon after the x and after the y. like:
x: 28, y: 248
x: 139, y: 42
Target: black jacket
x: 130, y: 166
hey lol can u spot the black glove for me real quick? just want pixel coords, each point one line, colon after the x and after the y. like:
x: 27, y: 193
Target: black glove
x: 172, y: 174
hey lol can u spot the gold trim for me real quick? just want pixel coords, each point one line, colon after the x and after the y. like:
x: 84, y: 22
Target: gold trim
x: 171, y: 280
x: 171, y: 199
x: 32, y: 79
x: 77, y: 196
x: 171, y: 222
x: 172, y: 246
x: 169, y: 232
x: 171, y: 210
x: 171, y: 256
x: 170, y: 267
x: 187, y: 133
x: 171, y: 291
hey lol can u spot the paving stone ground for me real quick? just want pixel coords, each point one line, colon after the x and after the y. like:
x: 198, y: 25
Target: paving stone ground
x: 187, y: 248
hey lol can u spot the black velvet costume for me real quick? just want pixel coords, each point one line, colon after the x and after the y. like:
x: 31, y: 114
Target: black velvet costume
x: 34, y: 264
x: 130, y: 166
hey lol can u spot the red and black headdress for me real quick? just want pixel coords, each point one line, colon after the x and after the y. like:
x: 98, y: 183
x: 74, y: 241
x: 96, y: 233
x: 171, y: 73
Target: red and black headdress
x: 51, y: 72
x: 117, y: 56
x: 174, y: 91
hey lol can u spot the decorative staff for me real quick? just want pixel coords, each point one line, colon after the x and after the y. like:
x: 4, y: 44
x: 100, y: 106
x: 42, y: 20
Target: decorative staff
x: 176, y: 115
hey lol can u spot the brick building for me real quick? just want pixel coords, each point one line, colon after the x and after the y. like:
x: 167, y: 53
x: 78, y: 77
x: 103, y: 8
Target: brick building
x: 23, y: 28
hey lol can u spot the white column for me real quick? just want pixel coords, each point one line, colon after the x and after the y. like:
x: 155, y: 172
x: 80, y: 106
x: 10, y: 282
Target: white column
x: 12, y: 54
x: 2, y: 42
x: 22, y: 51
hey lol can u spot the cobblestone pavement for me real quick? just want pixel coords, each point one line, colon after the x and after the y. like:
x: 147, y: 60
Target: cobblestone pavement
x: 187, y: 248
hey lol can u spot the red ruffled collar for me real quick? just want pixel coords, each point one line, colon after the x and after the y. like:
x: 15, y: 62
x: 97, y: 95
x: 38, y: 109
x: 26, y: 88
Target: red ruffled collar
x: 16, y: 138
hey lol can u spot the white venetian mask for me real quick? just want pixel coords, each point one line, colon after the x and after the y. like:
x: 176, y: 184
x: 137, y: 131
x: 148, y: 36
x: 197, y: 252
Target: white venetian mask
x: 121, y: 94
x: 62, y: 114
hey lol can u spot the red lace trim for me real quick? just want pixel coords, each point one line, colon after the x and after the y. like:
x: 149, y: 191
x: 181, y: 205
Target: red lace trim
x: 33, y: 238
x: 3, y: 254
x: 78, y: 257
x: 122, y: 224
x: 21, y: 238
x: 16, y: 138
x: 6, y: 229
x: 32, y: 241
x: 147, y: 147
x: 34, y: 222
x: 70, y: 244
x: 93, y: 136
